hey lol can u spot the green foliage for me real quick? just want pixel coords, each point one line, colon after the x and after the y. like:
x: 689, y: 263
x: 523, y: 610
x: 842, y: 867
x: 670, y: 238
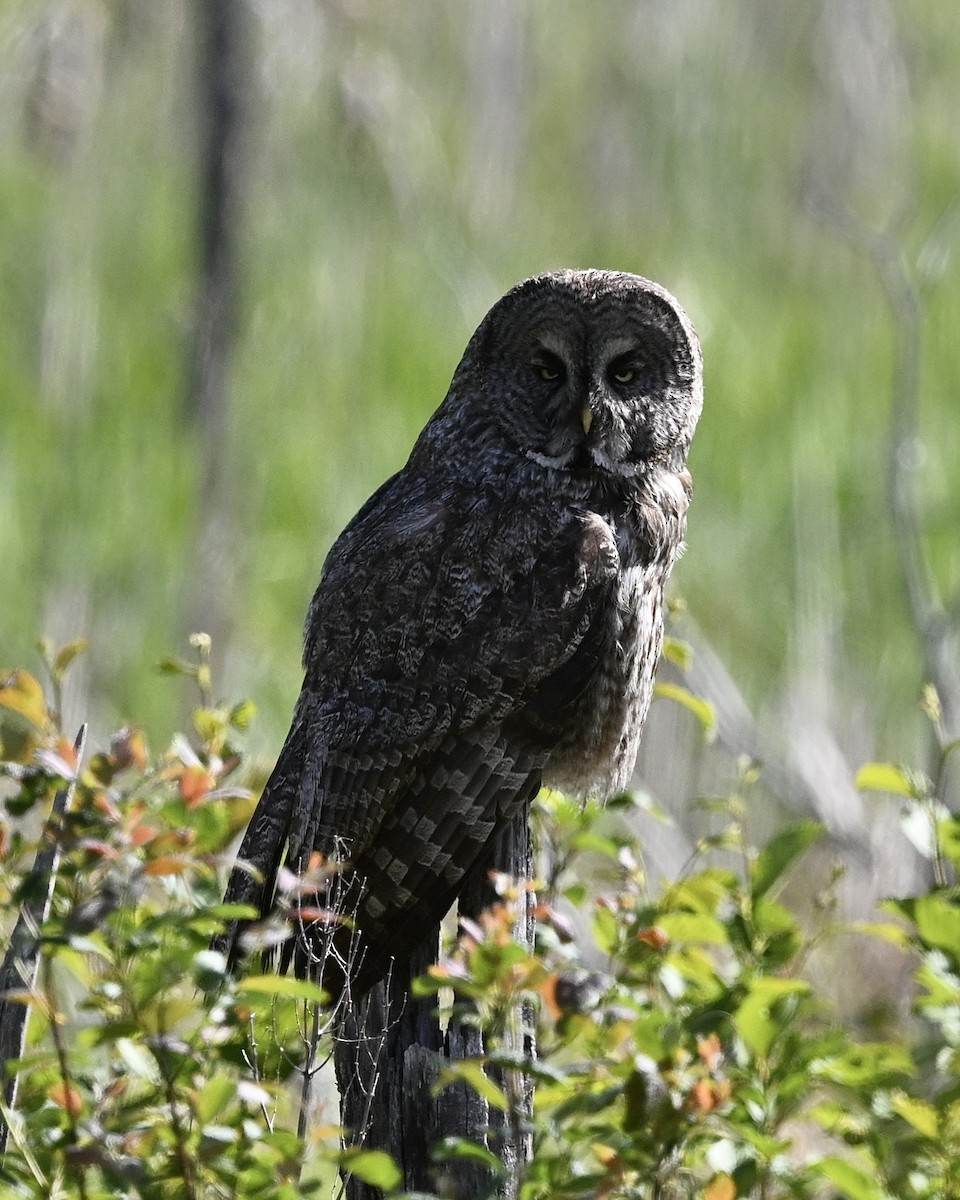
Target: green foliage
x: 135, y: 1079
x: 682, y: 1049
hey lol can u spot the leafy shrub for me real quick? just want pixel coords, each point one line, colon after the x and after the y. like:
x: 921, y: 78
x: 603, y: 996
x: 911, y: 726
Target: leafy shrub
x: 135, y: 1080
x: 681, y: 1051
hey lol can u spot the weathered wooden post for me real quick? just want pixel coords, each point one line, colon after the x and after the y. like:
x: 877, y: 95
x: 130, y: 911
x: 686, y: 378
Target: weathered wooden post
x: 390, y: 1050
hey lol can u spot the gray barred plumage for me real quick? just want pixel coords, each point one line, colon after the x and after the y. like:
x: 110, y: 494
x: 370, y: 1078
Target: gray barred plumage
x: 492, y: 617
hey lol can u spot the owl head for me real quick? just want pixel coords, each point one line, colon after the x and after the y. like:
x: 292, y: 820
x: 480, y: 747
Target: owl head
x: 594, y: 371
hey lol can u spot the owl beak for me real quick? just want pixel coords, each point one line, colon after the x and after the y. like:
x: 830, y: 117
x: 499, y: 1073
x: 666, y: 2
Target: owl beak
x: 586, y: 418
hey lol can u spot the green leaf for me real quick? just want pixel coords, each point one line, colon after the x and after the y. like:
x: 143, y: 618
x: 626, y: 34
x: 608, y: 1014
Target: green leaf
x: 589, y: 840
x: 454, y: 1147
x: 775, y: 933
x: 209, y: 723
x: 22, y: 694
x: 917, y: 1113
x: 708, y: 891
x: 211, y: 823
x: 232, y: 912
x: 575, y: 894
x: 138, y: 1060
x: 840, y: 1120
x: 850, y: 1179
x: 948, y: 833
x: 471, y: 1072
x: 214, y: 1097
x: 776, y: 858
x: 242, y: 714
x: 66, y: 654
x: 887, y: 777
x: 896, y: 935
x: 940, y: 987
x: 701, y: 709
x: 175, y: 666
x: 699, y: 928
x: 372, y: 1166
x: 869, y: 1065
x: 283, y: 985
x: 606, y: 929
x: 678, y: 652
x: 755, y: 1019
x: 937, y: 920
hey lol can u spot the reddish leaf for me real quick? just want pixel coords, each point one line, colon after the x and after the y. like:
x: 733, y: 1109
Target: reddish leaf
x: 66, y: 1096
x: 324, y: 916
x: 710, y: 1050
x: 99, y: 848
x: 721, y: 1187
x: 167, y: 864
x: 195, y: 782
x: 653, y: 936
x: 103, y: 804
x: 68, y: 752
x: 708, y: 1094
x: 548, y: 991
x: 140, y: 835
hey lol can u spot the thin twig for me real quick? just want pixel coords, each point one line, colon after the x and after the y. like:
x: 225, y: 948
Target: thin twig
x: 308, y: 1072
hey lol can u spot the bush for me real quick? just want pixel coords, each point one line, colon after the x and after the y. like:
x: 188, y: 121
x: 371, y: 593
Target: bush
x: 681, y: 1051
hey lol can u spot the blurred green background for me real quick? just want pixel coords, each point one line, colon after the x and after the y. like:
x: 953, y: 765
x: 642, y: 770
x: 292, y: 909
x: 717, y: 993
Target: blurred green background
x: 394, y: 168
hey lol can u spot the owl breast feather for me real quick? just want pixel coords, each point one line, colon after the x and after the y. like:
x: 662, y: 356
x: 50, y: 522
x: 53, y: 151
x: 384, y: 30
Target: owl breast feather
x: 597, y: 741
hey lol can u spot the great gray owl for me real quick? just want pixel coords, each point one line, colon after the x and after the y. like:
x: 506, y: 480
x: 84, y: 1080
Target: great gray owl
x: 491, y: 619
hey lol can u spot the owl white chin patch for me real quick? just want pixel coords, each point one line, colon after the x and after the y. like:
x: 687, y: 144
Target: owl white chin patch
x: 625, y: 470
x: 547, y: 460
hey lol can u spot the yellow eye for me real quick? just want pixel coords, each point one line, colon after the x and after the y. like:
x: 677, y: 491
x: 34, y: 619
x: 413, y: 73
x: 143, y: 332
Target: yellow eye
x: 624, y: 376
x: 550, y: 374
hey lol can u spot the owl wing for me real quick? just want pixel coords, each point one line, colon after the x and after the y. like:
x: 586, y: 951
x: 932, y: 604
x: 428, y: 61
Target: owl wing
x: 441, y: 622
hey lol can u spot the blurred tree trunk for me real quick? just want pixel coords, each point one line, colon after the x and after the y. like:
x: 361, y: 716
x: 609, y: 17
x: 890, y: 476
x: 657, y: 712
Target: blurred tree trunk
x: 223, y: 69
x: 390, y: 1050
x: 497, y: 61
